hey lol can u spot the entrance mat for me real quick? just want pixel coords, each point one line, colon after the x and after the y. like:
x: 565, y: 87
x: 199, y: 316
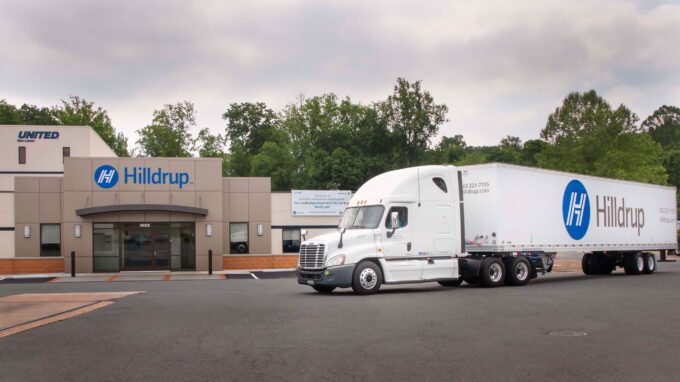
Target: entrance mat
x: 275, y: 275
x: 25, y: 280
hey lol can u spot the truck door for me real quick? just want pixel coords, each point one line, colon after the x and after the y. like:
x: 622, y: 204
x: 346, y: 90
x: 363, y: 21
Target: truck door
x: 400, y: 262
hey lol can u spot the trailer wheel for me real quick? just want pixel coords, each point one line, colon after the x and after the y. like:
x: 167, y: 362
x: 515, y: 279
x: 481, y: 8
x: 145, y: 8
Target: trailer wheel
x: 518, y: 271
x: 602, y: 264
x: 325, y: 289
x: 634, y: 263
x: 451, y: 283
x: 367, y: 278
x: 587, y: 264
x: 492, y: 272
x: 650, y: 263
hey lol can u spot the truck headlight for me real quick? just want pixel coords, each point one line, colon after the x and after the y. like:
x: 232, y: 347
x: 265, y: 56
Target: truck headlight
x: 337, y: 260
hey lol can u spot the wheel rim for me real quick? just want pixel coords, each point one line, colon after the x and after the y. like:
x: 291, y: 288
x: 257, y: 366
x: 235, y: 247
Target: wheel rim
x: 640, y: 263
x: 521, y: 271
x: 368, y: 278
x: 495, y: 272
x: 650, y: 263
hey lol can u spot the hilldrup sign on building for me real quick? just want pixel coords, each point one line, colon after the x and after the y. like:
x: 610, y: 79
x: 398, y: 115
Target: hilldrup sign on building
x: 106, y: 176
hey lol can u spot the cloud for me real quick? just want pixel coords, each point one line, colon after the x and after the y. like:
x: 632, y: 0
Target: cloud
x: 500, y: 66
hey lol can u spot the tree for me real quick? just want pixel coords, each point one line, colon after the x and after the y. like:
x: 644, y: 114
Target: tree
x: 664, y: 126
x: 276, y: 162
x: 78, y: 112
x: 34, y: 115
x: 9, y: 115
x: 586, y: 135
x: 169, y: 133
x: 414, y: 118
x: 208, y: 145
x: 250, y: 125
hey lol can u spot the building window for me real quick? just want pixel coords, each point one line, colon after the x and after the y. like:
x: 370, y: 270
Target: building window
x: 291, y: 240
x: 22, y: 154
x: 66, y: 152
x: 238, y: 237
x: 50, y: 240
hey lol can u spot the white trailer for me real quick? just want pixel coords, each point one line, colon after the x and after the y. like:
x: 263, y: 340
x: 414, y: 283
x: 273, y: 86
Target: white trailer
x: 487, y: 224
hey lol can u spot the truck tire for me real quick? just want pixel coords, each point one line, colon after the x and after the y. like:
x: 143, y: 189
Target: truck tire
x: 451, y: 283
x: 602, y: 264
x: 634, y: 263
x: 367, y: 278
x: 491, y: 272
x: 650, y: 263
x: 472, y: 280
x: 325, y: 289
x: 586, y: 264
x: 518, y: 271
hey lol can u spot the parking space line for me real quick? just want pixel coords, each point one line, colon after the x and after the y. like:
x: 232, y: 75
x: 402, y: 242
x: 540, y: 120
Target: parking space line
x: 223, y: 276
x: 54, y: 279
x: 166, y: 278
x: 112, y: 278
x: 255, y: 277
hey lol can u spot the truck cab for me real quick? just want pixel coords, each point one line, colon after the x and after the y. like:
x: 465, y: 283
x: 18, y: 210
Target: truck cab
x: 403, y: 226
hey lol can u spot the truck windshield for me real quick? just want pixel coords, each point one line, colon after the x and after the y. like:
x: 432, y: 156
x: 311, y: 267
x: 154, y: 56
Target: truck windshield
x: 362, y: 217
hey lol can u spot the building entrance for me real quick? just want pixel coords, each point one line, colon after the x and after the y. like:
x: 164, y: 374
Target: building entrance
x: 146, y: 246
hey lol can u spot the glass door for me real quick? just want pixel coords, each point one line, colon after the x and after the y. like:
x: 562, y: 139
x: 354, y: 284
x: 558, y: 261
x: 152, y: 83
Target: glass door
x: 146, y: 246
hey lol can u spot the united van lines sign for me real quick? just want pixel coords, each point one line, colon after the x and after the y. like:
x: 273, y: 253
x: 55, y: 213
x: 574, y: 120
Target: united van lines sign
x: 32, y: 136
x: 106, y: 176
x: 319, y: 203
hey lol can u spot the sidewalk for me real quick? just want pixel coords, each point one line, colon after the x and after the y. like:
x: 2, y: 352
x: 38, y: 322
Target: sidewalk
x: 147, y: 276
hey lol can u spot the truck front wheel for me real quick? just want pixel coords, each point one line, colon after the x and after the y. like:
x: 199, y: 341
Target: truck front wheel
x: 492, y: 272
x: 519, y: 271
x: 367, y: 278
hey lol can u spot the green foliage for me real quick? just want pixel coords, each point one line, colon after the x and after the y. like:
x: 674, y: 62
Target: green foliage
x: 169, y: 134
x: 276, y: 162
x: 9, y: 115
x: 79, y: 112
x: 250, y: 125
x: 586, y: 135
x: 664, y: 126
x: 414, y: 118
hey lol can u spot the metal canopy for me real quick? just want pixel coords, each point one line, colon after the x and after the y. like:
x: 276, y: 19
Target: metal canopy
x: 141, y: 207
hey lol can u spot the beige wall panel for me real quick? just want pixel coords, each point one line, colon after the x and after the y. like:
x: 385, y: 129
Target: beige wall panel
x: 131, y: 198
x: 225, y: 238
x: 26, y: 207
x: 277, y: 241
x: 259, y: 185
x: 204, y: 243
x: 225, y: 206
x: 112, y: 217
x: 156, y: 216
x: 71, y: 201
x: 259, y: 207
x: 183, y: 198
x: 50, y: 207
x: 154, y: 164
x: 100, y: 162
x: 77, y: 174
x: 157, y: 197
x: 238, y: 207
x: 81, y: 245
x: 7, y: 241
x: 27, y: 247
x: 225, y: 184
x: 6, y: 211
x: 208, y: 175
x: 211, y: 200
x: 181, y: 217
x: 50, y: 185
x: 259, y: 244
x: 103, y: 198
x: 130, y: 163
x: 26, y: 184
x: 188, y: 166
x: 238, y: 185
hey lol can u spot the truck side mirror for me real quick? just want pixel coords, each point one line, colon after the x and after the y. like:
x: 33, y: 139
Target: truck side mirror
x: 394, y: 220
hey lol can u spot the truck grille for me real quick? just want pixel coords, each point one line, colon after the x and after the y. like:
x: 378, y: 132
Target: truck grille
x: 312, y: 256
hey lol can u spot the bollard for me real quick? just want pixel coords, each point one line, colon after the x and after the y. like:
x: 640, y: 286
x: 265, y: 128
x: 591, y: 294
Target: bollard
x: 73, y: 263
x: 210, y: 261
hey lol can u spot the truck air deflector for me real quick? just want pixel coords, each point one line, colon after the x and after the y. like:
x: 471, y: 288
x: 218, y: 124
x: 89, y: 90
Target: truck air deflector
x: 462, y: 212
x: 141, y: 207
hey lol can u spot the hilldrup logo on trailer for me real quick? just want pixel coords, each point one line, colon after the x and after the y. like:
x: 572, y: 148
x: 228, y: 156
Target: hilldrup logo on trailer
x: 576, y: 209
x: 106, y: 176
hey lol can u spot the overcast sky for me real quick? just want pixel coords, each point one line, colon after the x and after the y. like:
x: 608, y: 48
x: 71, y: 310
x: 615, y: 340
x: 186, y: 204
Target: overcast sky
x: 500, y: 66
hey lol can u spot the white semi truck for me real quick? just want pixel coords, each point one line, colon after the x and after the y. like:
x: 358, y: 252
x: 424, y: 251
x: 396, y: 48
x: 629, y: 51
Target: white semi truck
x: 487, y: 224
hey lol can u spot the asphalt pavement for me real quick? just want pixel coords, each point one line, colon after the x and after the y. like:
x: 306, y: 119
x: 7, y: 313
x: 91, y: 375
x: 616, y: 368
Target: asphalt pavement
x: 564, y: 327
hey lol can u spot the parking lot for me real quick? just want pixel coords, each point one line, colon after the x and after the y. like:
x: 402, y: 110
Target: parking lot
x: 562, y: 327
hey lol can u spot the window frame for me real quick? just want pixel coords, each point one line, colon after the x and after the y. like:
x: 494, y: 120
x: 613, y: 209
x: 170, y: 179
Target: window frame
x: 388, y: 220
x: 247, y: 242
x: 65, y: 153
x: 42, y: 250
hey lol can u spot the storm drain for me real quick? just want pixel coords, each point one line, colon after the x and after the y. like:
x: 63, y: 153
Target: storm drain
x: 568, y: 333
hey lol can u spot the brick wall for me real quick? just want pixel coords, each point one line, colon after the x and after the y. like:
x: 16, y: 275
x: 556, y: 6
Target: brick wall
x: 26, y: 266
x: 259, y: 262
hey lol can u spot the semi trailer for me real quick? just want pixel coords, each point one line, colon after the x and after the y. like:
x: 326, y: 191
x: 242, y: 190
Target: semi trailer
x: 489, y: 224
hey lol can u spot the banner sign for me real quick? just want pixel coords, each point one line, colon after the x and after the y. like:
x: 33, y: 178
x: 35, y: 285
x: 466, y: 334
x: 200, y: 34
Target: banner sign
x: 319, y: 202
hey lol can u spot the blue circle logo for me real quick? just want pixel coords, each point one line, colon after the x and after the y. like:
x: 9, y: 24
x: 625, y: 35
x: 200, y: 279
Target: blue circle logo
x: 576, y: 209
x: 106, y: 176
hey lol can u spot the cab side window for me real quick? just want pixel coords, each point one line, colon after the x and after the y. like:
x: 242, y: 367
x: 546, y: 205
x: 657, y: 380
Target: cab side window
x: 403, y: 217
